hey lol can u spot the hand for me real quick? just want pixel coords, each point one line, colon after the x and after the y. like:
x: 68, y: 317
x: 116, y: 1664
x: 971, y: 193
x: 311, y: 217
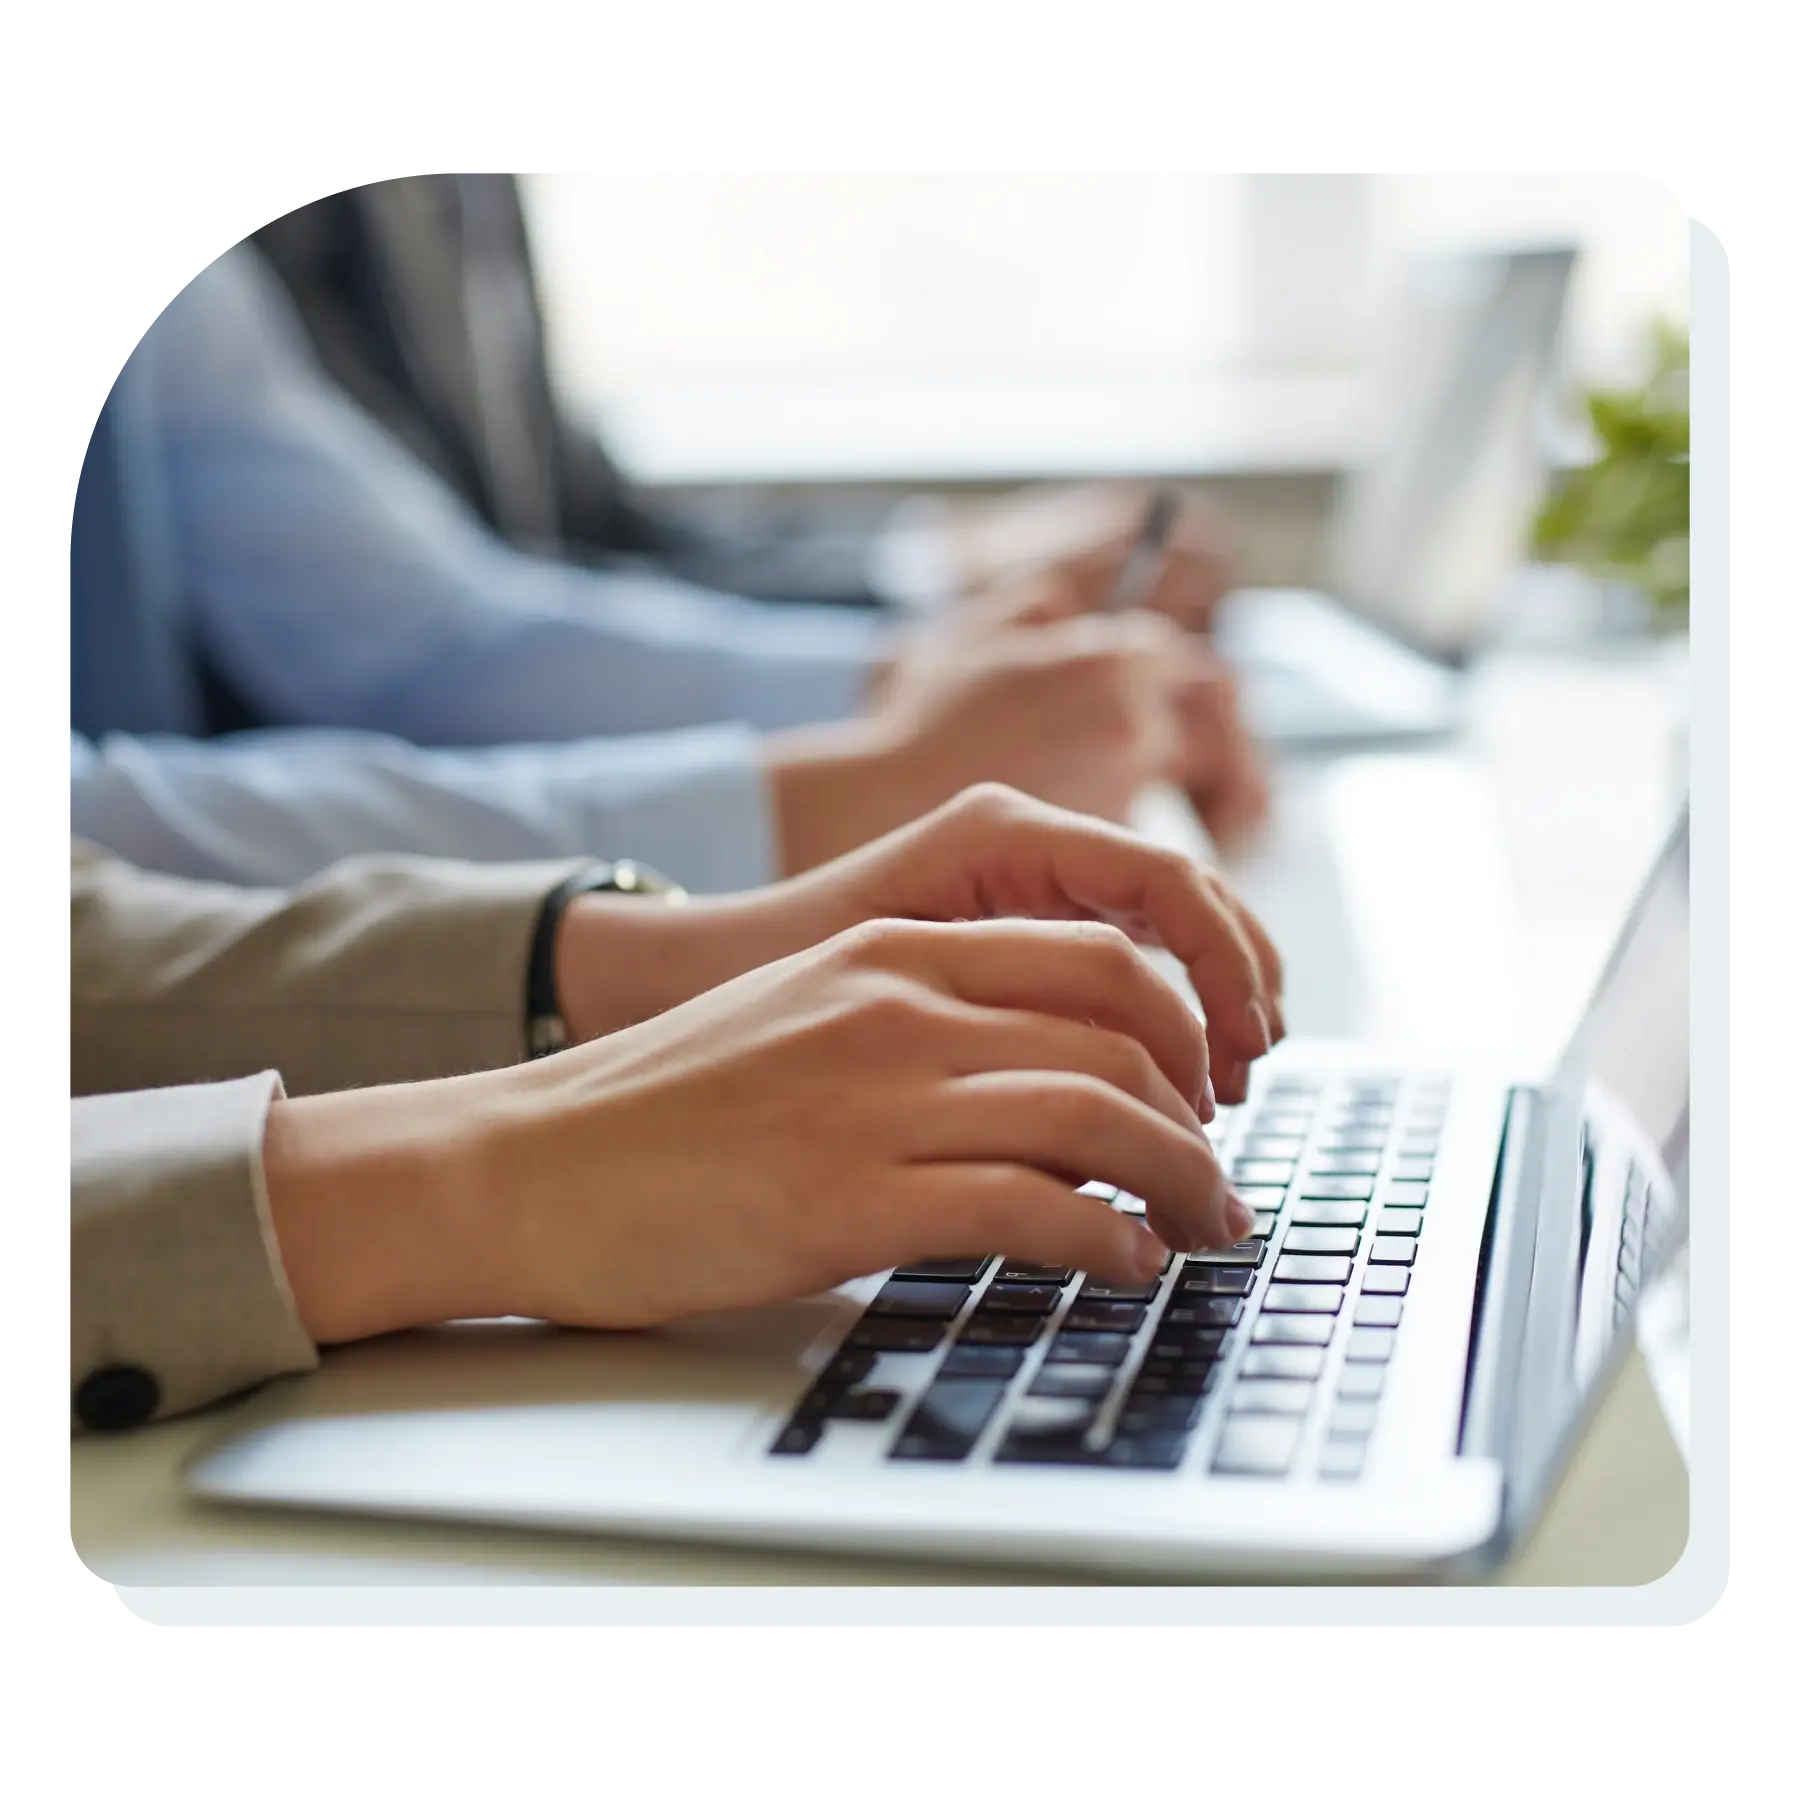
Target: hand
x: 903, y: 1090
x: 1219, y: 765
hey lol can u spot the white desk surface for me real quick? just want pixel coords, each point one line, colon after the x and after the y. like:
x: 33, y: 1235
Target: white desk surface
x: 1347, y: 840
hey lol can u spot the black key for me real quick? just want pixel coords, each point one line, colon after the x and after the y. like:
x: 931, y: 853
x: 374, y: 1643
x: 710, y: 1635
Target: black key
x: 1203, y: 1310
x: 1361, y: 1381
x: 1369, y: 1346
x: 1159, y: 1412
x: 1283, y: 1297
x: 1378, y: 1309
x: 1291, y: 1399
x: 1342, y: 1459
x: 992, y: 1362
x: 1293, y: 1328
x: 1256, y: 1447
x: 1105, y: 1315
x: 1230, y: 1256
x: 1262, y: 1171
x: 1322, y: 1240
x: 1091, y: 1347
x: 1313, y: 1268
x: 1035, y: 1272
x: 918, y: 1300
x: 1117, y: 1290
x: 1150, y: 1449
x: 1215, y: 1281
x: 944, y: 1425
x: 1282, y: 1362
x: 914, y: 1335
x: 846, y: 1369
x: 1346, y: 1162
x: 1330, y: 1212
x: 1049, y: 1432
x: 1073, y: 1381
x: 1190, y: 1379
x: 1184, y: 1345
x: 1412, y: 1168
x: 1385, y: 1280
x: 1261, y: 1199
x: 951, y: 1268
x: 1008, y: 1328
x: 1400, y: 1221
x: 797, y: 1438
x: 1406, y: 1193
x: 869, y: 1404
x: 1337, y: 1187
x: 1351, y: 1419
x: 1393, y: 1250
x: 1019, y: 1299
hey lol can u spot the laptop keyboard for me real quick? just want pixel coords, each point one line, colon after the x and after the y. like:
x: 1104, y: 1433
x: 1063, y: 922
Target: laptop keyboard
x: 1227, y: 1361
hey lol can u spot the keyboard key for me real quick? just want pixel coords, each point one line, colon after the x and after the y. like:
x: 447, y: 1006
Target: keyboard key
x: 1412, y: 1168
x: 1283, y: 1297
x: 1261, y: 1199
x: 992, y: 1362
x: 1049, y: 1431
x: 1291, y: 1398
x: 1353, y: 1138
x: 1351, y: 1419
x: 1272, y: 1146
x: 1105, y: 1315
x: 1282, y: 1362
x: 1202, y: 1310
x: 1361, y: 1381
x: 1129, y: 1204
x: 946, y: 1422
x: 1159, y: 1412
x: 1293, y: 1328
x: 919, y: 1300
x: 954, y: 1268
x: 1399, y: 1221
x: 1369, y: 1346
x: 1263, y: 1227
x: 1393, y: 1250
x: 1262, y: 1172
x: 1378, y: 1309
x: 1410, y: 1194
x: 1215, y: 1281
x: 797, y: 1438
x: 1346, y: 1162
x: 1005, y: 1328
x: 847, y: 1369
x: 868, y: 1404
x: 1256, y: 1447
x: 1337, y: 1187
x: 909, y: 1335
x: 1114, y: 1290
x: 1313, y: 1268
x: 1073, y: 1381
x: 1342, y: 1459
x: 1091, y: 1347
x: 1417, y: 1143
x: 1385, y: 1280
x: 1019, y: 1299
x: 1188, y: 1378
x: 1322, y: 1240
x: 1230, y: 1256
x: 1184, y: 1344
x: 1098, y: 1190
x: 1330, y: 1212
x: 1150, y: 1449
x: 1035, y: 1273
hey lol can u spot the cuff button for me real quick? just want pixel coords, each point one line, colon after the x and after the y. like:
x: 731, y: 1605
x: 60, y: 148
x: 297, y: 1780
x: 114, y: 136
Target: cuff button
x: 117, y: 1397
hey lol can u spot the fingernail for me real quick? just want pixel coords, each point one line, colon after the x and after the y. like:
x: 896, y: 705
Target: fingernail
x: 1238, y: 1217
x: 1209, y: 1103
x: 1259, y: 1021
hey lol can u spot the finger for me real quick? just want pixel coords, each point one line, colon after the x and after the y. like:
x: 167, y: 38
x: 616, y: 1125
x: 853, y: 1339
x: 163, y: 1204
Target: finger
x: 980, y: 1040
x: 992, y: 1208
x: 1077, y: 970
x: 1078, y: 1130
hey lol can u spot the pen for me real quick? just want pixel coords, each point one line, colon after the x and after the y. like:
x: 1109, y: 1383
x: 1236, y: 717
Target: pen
x: 1144, y: 564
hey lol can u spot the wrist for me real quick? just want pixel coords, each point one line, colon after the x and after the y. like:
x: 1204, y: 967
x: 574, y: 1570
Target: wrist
x: 834, y: 787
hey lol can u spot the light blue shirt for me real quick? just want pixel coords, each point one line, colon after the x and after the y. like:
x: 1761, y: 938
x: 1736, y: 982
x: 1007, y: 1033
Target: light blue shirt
x: 235, y: 497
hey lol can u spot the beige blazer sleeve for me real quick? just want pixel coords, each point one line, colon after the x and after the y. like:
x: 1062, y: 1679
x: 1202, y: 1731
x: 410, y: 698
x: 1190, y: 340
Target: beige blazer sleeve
x: 383, y: 969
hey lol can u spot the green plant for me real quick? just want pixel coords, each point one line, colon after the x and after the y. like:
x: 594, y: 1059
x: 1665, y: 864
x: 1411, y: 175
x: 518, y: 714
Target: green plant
x: 1624, y: 517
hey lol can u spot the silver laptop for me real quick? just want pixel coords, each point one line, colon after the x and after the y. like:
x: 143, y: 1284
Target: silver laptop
x: 1426, y: 533
x: 1381, y: 1382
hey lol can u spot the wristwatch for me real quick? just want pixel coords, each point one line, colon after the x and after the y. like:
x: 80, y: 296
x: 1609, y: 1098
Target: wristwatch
x: 545, y: 1032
